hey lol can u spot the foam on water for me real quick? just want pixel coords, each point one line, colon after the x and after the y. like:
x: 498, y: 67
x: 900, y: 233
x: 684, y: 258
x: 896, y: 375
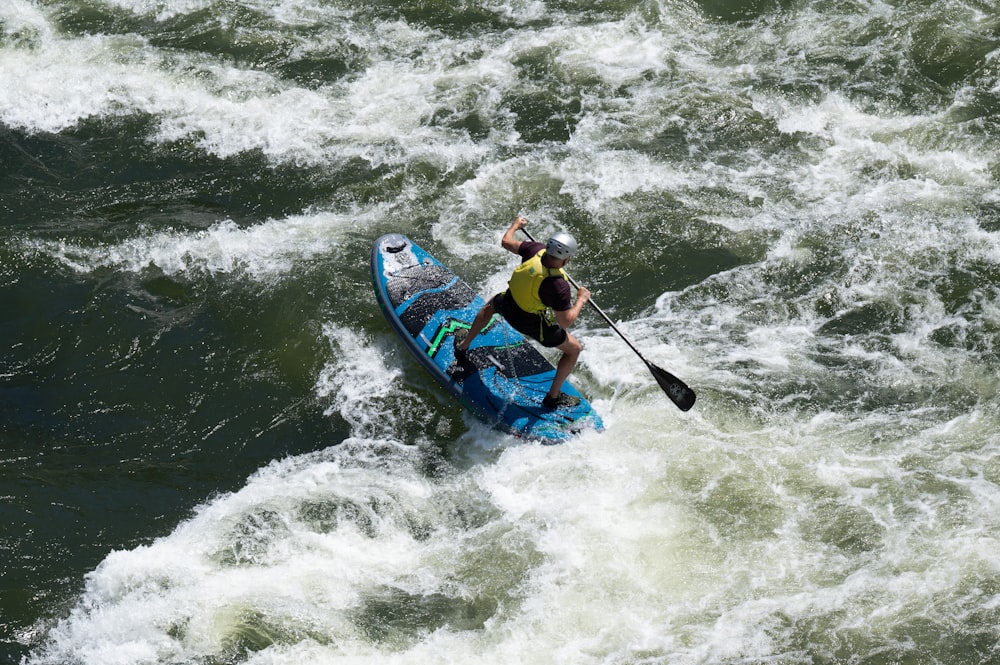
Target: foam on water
x: 285, y: 556
x: 632, y: 544
x: 358, y: 385
x: 283, y: 568
x: 227, y: 109
x: 263, y: 252
x: 22, y: 22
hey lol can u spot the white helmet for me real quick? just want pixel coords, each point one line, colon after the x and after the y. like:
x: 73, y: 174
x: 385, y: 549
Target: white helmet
x: 561, y: 246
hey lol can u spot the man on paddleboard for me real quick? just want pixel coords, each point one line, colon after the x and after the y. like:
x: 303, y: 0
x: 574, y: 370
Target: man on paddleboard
x: 537, y: 291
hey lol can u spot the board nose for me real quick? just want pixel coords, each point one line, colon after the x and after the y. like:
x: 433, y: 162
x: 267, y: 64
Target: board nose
x: 394, y: 243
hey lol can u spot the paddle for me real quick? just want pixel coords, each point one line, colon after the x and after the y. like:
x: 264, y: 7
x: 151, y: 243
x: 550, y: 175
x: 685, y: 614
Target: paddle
x: 675, y: 389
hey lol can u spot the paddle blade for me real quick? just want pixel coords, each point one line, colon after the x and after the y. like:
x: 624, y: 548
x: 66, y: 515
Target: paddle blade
x: 676, y: 389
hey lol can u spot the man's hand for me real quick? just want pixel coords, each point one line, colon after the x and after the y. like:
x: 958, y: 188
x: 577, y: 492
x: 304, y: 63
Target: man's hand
x: 509, y: 240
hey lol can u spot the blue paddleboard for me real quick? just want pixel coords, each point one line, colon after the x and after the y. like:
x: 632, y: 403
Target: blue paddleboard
x: 503, y: 378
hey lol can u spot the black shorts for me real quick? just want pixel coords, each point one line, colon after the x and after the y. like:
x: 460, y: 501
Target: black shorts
x: 533, y: 325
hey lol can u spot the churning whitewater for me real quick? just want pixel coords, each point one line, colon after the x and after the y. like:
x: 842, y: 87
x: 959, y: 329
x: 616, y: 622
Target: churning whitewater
x: 793, y: 206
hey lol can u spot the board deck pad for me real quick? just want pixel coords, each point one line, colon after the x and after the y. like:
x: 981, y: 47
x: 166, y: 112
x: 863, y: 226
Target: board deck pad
x: 503, y: 378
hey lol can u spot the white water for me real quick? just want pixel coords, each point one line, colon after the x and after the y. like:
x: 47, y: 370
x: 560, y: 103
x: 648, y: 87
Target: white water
x: 831, y: 498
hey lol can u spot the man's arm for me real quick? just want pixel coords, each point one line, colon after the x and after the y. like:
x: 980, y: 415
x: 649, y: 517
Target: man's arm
x: 509, y: 242
x: 567, y: 317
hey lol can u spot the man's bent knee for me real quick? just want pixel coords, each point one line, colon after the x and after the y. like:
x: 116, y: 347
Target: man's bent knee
x: 572, y: 346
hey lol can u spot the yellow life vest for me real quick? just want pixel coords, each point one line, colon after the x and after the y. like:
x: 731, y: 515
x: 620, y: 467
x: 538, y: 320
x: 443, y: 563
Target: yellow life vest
x: 527, y: 280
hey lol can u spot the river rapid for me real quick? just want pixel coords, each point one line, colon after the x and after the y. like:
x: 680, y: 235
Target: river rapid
x: 216, y: 451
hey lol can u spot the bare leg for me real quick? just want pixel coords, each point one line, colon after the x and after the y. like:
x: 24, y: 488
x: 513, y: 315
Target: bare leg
x: 571, y: 349
x: 482, y: 318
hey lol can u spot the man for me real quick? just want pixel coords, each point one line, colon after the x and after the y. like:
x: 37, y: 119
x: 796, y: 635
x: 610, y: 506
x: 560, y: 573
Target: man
x: 538, y: 288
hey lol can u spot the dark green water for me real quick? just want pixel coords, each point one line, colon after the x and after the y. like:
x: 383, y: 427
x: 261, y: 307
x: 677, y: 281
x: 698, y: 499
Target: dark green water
x: 214, y: 450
